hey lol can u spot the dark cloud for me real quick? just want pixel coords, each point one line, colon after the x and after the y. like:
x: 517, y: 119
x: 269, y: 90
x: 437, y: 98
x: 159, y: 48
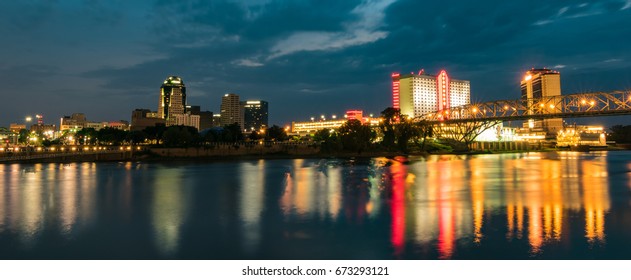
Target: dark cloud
x: 304, y: 57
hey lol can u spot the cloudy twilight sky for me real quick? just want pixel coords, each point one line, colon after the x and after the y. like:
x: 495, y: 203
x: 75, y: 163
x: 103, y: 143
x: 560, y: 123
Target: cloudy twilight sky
x: 306, y: 58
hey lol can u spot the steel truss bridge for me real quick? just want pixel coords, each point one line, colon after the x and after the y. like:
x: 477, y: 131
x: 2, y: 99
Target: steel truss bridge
x: 563, y: 106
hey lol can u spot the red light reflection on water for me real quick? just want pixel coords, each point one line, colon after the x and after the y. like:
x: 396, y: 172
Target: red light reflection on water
x: 399, y: 173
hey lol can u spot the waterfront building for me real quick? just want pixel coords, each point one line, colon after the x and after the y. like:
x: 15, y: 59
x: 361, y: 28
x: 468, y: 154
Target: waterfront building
x: 231, y: 110
x: 143, y: 118
x: 582, y: 135
x: 354, y: 115
x: 418, y: 94
x: 172, y: 99
x: 255, y: 115
x: 216, y: 120
x: 74, y: 122
x: 309, y: 128
x: 538, y: 85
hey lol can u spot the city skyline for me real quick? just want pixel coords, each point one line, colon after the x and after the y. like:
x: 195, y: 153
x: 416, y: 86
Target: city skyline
x: 329, y: 56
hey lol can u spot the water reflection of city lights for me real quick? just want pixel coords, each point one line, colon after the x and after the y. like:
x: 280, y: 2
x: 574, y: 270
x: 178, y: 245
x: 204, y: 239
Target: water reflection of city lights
x: 251, y: 202
x: 168, y: 208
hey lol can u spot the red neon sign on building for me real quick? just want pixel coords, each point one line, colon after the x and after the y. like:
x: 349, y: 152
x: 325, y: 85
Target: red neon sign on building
x: 442, y: 90
x: 395, y: 90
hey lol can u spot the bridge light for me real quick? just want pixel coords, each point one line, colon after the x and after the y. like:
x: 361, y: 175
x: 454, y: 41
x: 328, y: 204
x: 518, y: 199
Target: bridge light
x: 551, y: 106
x: 505, y: 107
x: 541, y: 105
x: 475, y: 110
x: 583, y: 101
x: 592, y: 103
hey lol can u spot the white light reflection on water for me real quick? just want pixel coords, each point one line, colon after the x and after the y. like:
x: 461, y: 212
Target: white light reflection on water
x: 169, y: 209
x: 30, y: 208
x: 252, y: 193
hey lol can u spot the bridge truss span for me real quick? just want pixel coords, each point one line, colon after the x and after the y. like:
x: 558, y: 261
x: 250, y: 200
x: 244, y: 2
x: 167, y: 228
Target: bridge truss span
x: 563, y: 106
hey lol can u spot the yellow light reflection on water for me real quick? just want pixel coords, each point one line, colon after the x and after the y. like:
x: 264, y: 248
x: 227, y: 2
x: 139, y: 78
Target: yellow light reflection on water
x: 169, y: 208
x: 595, y: 199
x: 317, y: 190
x: 252, y: 190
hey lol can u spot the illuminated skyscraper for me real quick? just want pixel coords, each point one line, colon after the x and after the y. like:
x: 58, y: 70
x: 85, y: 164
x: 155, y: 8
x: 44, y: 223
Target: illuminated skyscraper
x: 537, y: 85
x: 172, y: 99
x: 254, y: 115
x: 419, y: 94
x: 231, y: 110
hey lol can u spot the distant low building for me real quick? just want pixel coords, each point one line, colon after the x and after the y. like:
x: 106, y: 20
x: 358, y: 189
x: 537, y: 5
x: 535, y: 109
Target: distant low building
x: 16, y: 127
x: 7, y: 137
x: 309, y: 128
x: 205, y: 117
x: 582, y: 135
x: 187, y: 120
x: 143, y: 118
x: 76, y: 121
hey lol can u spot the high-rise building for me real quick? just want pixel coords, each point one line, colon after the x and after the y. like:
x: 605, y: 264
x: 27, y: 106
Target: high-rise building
x: 172, y: 99
x: 216, y: 119
x: 254, y: 115
x: 418, y: 94
x: 537, y: 85
x: 231, y: 110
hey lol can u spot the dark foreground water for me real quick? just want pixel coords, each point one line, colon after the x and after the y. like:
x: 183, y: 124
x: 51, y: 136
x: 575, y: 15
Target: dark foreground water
x: 562, y: 205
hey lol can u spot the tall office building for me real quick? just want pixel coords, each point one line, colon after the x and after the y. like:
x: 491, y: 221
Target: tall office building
x: 419, y: 94
x: 537, y: 85
x: 231, y: 110
x: 254, y: 115
x: 172, y: 99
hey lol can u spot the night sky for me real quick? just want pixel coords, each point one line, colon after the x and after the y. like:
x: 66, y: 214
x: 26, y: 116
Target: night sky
x: 306, y: 58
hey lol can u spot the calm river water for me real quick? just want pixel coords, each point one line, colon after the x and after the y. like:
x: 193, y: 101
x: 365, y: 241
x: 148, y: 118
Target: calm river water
x: 562, y: 205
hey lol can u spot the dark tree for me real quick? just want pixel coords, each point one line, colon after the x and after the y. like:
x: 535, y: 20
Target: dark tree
x: 180, y: 136
x: 355, y: 136
x: 232, y: 133
x: 275, y: 133
x: 390, y: 117
x: 254, y: 135
x: 86, y: 136
x: 620, y: 134
x: 136, y: 137
x: 405, y: 131
x: 110, y: 136
x: 154, y: 133
x: 329, y: 140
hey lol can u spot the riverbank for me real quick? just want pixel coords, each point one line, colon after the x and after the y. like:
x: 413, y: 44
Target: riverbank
x: 234, y: 152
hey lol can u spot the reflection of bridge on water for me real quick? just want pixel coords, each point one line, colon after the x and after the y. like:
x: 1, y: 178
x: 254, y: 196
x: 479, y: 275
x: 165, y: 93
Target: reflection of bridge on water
x: 563, y: 106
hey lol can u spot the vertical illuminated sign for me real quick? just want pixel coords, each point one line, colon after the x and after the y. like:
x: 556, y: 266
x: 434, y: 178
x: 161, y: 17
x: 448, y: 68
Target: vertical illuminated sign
x: 395, y: 90
x: 442, y: 90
